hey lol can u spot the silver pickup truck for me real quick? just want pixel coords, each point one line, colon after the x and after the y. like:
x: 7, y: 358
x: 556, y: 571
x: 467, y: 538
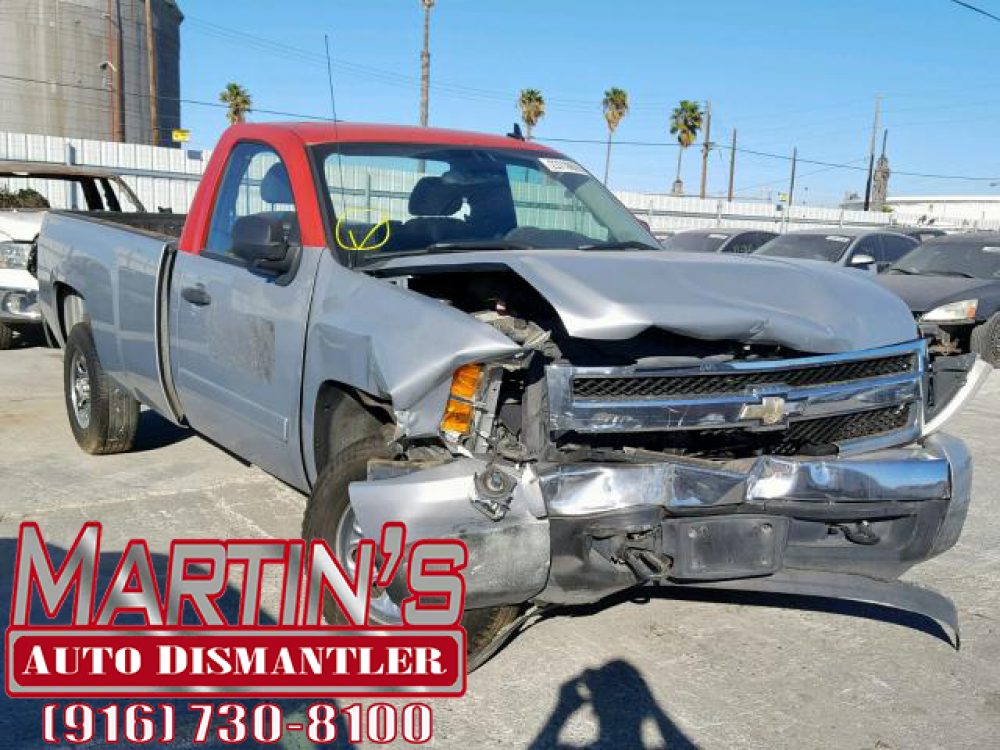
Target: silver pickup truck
x: 469, y: 334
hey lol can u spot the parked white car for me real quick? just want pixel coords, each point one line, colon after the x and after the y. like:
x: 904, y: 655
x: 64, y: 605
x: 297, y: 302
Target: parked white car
x: 85, y: 188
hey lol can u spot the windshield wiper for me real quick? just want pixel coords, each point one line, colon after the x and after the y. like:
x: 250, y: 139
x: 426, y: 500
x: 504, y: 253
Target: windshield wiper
x: 901, y: 270
x: 447, y: 247
x: 626, y: 245
x: 461, y: 245
x: 963, y: 274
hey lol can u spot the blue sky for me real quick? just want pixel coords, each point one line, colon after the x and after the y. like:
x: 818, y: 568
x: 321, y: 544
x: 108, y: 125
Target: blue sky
x: 786, y: 73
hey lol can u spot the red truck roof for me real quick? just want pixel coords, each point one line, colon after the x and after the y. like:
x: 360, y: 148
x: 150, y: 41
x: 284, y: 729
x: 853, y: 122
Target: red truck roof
x: 311, y: 133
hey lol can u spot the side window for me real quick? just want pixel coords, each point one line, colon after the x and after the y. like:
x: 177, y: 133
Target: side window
x: 255, y: 183
x: 870, y: 246
x: 896, y: 247
x: 741, y: 244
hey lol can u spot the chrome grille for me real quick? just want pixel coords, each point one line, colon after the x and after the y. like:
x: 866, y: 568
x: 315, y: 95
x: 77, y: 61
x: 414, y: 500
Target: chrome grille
x: 715, y: 384
x: 776, y: 405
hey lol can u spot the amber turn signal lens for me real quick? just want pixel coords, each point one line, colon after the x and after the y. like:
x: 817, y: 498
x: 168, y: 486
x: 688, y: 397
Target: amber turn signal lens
x: 465, y: 382
x: 457, y: 417
x: 459, y: 412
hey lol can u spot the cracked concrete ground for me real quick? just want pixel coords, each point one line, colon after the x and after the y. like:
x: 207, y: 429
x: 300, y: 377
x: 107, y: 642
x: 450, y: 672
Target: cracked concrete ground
x: 694, y: 671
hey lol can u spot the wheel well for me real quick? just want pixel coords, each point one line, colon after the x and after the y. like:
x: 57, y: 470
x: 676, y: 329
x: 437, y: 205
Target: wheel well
x: 63, y: 292
x: 344, y: 416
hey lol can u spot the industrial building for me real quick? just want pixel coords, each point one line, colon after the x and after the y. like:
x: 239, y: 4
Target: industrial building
x: 93, y: 69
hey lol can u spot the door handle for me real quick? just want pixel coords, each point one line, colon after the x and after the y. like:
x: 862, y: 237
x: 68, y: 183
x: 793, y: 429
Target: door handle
x: 196, y: 295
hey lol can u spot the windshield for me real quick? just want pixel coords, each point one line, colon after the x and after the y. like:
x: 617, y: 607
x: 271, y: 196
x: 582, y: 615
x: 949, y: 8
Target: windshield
x: 949, y: 258
x: 695, y: 242
x: 408, y: 198
x: 829, y: 247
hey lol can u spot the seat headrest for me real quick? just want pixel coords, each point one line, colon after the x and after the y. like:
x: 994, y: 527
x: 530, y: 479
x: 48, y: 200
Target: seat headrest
x: 432, y: 196
x: 275, y: 187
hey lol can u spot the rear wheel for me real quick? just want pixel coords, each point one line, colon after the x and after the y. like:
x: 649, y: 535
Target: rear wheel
x: 6, y: 336
x: 103, y: 417
x: 329, y: 516
x: 985, y: 340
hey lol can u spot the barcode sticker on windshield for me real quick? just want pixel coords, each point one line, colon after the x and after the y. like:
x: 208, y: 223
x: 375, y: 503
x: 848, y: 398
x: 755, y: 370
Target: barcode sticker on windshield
x: 991, y: 249
x: 837, y: 238
x: 562, y: 166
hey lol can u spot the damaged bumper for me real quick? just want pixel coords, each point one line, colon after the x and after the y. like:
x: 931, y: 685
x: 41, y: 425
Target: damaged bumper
x: 574, y: 533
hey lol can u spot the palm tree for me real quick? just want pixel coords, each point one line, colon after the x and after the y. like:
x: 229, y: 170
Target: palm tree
x: 532, y: 105
x: 238, y: 100
x: 685, y: 123
x: 425, y: 64
x: 615, y: 106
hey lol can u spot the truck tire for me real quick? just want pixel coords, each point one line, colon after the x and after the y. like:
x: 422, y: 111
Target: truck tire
x: 103, y: 417
x: 985, y: 340
x: 6, y: 337
x: 329, y: 516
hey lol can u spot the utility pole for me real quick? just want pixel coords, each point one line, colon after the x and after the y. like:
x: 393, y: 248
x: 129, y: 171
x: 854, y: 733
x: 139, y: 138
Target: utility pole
x: 706, y: 148
x: 791, y: 188
x: 425, y: 64
x: 871, y: 152
x: 154, y: 118
x: 732, y: 165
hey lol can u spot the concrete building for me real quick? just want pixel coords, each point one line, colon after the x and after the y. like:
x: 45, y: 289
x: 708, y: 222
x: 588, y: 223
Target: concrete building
x: 80, y: 69
x: 946, y: 211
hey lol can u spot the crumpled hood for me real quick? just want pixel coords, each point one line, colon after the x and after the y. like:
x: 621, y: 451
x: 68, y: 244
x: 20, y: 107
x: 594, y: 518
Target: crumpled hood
x: 808, y: 306
x: 20, y: 226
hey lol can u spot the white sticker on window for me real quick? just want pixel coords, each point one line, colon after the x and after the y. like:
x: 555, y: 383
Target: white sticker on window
x: 564, y: 166
x: 991, y: 249
x: 718, y: 236
x: 837, y: 238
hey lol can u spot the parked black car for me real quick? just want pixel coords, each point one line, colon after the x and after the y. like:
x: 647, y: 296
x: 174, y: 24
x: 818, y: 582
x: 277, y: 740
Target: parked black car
x: 952, y: 285
x: 873, y: 250
x: 718, y: 240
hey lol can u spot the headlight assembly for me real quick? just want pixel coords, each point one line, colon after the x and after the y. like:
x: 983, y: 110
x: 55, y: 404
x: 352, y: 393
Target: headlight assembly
x: 963, y: 311
x: 15, y: 255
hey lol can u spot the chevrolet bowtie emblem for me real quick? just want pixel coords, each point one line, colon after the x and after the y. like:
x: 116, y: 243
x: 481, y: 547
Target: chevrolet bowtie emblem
x: 771, y: 410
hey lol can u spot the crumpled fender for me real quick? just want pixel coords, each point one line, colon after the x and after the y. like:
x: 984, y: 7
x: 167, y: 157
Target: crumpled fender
x: 391, y: 343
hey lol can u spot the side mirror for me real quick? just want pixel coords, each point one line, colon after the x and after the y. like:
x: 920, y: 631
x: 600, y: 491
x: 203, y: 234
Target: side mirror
x: 262, y: 241
x: 865, y: 262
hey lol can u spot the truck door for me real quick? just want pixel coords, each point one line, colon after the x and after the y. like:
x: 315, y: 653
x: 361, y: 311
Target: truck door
x: 237, y: 331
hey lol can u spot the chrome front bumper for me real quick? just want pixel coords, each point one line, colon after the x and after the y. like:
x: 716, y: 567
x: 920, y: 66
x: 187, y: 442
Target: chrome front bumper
x: 574, y: 533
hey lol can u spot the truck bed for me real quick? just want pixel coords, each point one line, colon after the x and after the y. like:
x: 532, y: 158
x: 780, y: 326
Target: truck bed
x: 164, y: 225
x: 118, y: 263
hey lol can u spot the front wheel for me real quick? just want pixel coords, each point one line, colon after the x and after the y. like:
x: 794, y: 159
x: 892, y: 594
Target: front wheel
x: 329, y: 516
x: 103, y: 417
x: 985, y: 340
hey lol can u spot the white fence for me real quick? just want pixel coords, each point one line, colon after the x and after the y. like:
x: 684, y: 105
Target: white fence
x: 665, y: 213
x: 167, y: 178
x: 161, y: 177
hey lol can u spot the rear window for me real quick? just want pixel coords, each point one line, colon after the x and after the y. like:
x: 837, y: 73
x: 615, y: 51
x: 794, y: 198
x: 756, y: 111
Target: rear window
x: 828, y: 247
x: 696, y: 242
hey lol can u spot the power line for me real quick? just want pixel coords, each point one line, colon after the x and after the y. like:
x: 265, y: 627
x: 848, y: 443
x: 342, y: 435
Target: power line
x: 974, y: 9
x: 654, y: 144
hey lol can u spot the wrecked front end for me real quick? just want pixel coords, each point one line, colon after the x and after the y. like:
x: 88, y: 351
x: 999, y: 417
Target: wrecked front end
x: 723, y: 463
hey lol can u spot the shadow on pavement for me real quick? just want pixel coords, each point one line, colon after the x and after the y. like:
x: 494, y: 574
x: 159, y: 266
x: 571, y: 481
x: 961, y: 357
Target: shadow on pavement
x: 802, y: 603
x: 21, y: 719
x: 156, y: 432
x: 626, y: 712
